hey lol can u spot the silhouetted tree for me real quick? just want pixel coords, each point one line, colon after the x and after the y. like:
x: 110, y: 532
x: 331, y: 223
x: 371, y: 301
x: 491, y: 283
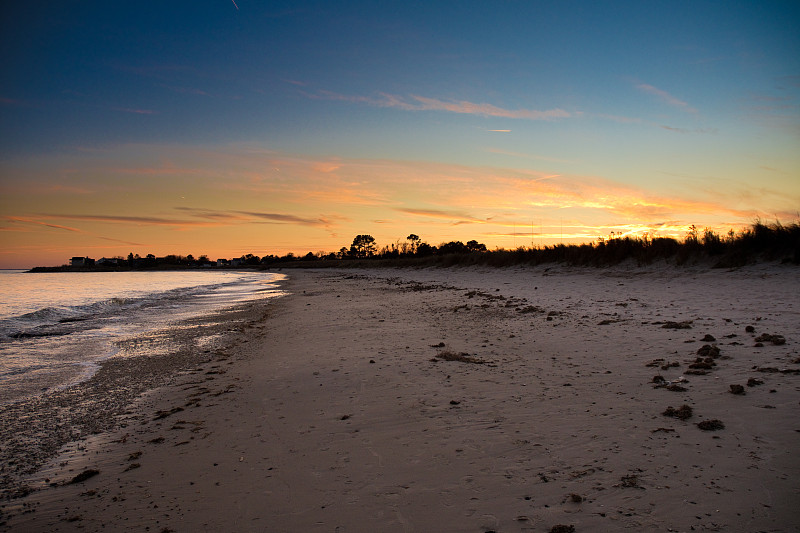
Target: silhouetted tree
x: 250, y: 259
x: 414, y: 241
x: 453, y: 247
x: 475, y: 246
x: 363, y: 246
x: 424, y: 249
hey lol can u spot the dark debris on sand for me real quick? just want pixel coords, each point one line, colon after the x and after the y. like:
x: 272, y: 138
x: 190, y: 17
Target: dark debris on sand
x: 687, y: 324
x: 681, y: 413
x: 737, y: 389
x: 711, y: 425
x: 703, y: 364
x: 660, y: 381
x: 674, y: 387
x: 83, y: 476
x: 776, y: 340
x: 630, y: 481
x: 164, y: 414
x: 462, y: 357
x: 663, y: 364
x: 709, y: 350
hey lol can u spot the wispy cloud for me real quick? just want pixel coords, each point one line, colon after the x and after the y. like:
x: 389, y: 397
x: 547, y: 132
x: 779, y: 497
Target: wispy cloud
x: 159, y: 71
x: 666, y: 97
x: 213, y: 214
x: 618, y: 118
x: 422, y: 103
x: 500, y: 151
x: 135, y: 111
x: 186, y: 90
x: 11, y: 101
x: 40, y: 223
x: 279, y: 218
x: 688, y: 130
x: 121, y: 219
x: 166, y: 169
x: 121, y: 241
x: 202, y: 217
x: 33, y: 222
x: 237, y: 216
x: 488, y: 110
x: 454, y: 217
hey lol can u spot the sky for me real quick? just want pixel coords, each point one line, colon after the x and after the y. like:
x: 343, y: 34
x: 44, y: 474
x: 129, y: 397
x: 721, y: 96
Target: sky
x: 221, y: 128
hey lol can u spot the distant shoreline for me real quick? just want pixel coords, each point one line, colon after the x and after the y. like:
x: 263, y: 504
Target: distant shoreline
x: 164, y: 268
x: 762, y: 243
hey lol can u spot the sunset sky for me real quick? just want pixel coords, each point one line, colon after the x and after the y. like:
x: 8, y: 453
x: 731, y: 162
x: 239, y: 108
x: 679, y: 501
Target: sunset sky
x: 221, y: 128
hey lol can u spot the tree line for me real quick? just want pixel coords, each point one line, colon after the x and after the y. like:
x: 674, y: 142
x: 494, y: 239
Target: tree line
x: 773, y: 242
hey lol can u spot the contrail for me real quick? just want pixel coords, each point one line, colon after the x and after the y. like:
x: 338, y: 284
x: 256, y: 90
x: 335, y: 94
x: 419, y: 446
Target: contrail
x: 234, y: 5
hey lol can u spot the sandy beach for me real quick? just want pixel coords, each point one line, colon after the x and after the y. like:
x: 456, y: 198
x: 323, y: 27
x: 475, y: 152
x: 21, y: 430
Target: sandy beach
x: 464, y: 400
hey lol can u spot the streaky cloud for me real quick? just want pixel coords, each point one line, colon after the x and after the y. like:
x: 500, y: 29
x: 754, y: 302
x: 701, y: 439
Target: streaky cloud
x: 500, y: 151
x: 666, y: 97
x: 249, y: 216
x: 422, y: 103
x: 212, y: 214
x: 687, y: 130
x: 186, y: 90
x: 135, y: 111
x: 40, y: 223
x: 120, y: 241
x: 280, y: 218
x: 151, y: 221
x: 487, y: 110
x: 11, y: 101
x: 618, y: 118
x: 457, y: 218
x: 208, y: 217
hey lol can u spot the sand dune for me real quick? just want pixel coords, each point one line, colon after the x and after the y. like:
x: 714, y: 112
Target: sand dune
x: 466, y: 400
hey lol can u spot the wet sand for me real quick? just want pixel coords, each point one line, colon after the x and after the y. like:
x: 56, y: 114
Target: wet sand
x: 464, y: 400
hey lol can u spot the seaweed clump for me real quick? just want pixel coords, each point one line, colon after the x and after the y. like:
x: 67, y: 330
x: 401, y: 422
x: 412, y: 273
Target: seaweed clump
x: 711, y: 425
x: 681, y: 413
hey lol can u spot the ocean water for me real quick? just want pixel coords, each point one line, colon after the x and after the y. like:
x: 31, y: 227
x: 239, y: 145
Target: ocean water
x: 55, y: 328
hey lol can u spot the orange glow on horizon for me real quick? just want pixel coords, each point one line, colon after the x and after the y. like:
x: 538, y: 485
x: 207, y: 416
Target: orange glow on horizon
x: 230, y: 201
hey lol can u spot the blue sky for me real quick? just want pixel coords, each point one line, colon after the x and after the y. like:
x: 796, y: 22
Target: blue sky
x: 691, y: 106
